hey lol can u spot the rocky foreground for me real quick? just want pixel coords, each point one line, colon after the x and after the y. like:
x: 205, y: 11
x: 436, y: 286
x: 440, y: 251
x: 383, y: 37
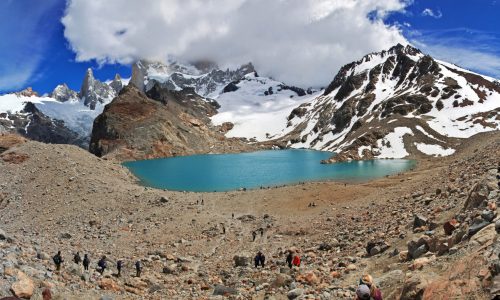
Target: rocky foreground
x: 430, y: 233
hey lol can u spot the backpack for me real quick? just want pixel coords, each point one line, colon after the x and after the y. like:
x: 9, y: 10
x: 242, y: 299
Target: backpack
x: 102, y: 264
x: 57, y: 259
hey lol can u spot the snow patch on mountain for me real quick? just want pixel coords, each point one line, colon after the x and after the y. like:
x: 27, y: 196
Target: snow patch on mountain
x: 392, y: 146
x: 434, y: 150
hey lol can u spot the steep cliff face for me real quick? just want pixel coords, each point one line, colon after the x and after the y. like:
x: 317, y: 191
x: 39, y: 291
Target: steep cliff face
x: 393, y: 104
x: 135, y: 126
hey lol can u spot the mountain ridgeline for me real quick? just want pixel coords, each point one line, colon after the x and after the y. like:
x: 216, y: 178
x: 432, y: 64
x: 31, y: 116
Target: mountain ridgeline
x: 395, y: 103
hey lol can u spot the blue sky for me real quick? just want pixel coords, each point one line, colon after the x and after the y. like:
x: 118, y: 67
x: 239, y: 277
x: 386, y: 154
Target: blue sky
x: 34, y: 51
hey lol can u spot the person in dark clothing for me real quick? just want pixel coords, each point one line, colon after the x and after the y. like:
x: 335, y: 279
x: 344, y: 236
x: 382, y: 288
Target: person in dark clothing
x: 259, y: 259
x: 86, y: 262
x: 119, y: 265
x: 138, y: 268
x: 254, y: 235
x: 289, y: 259
x: 77, y: 259
x: 102, y: 264
x: 58, y: 260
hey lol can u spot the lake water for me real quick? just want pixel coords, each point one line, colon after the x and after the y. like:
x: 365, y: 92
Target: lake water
x: 225, y: 172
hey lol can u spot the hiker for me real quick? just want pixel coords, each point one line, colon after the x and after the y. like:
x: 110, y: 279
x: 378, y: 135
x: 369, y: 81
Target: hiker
x: 77, y: 259
x: 296, y: 260
x: 261, y: 232
x: 367, y: 290
x: 289, y: 259
x: 259, y: 259
x: 86, y: 262
x: 119, y: 265
x: 102, y: 264
x: 138, y: 268
x: 58, y: 260
x: 254, y: 234
x: 223, y: 228
x: 232, y: 215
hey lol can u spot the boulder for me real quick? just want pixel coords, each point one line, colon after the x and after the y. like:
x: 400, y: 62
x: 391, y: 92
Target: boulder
x: 478, y: 194
x: 108, y: 284
x: 419, y: 221
x: 311, y: 278
x: 475, y: 228
x: 325, y: 247
x: 23, y: 287
x: 220, y: 290
x: 488, y: 215
x: 295, y: 293
x: 242, y: 261
x: 414, y: 287
x: 485, y: 235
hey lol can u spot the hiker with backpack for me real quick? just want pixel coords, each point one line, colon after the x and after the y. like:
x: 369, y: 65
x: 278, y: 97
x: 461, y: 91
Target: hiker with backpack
x: 367, y: 290
x: 259, y: 259
x: 289, y: 259
x: 77, y: 259
x: 119, y: 265
x: 86, y: 262
x: 138, y: 268
x: 102, y: 264
x: 58, y: 260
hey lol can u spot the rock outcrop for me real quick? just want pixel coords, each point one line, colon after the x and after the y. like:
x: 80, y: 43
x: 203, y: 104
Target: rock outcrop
x: 170, y: 123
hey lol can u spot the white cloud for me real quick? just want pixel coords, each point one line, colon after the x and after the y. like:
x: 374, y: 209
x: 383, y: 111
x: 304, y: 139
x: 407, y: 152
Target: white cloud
x: 302, y: 42
x: 430, y: 13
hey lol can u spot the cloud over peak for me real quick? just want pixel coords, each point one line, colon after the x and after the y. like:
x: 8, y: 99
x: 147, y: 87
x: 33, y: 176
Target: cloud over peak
x: 302, y: 42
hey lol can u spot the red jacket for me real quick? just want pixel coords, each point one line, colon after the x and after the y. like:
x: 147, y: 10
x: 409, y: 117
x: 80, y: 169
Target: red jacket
x: 296, y: 261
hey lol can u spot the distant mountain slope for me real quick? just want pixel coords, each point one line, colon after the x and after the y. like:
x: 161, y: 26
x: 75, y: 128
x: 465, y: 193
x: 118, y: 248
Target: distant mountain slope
x: 65, y: 111
x: 395, y: 104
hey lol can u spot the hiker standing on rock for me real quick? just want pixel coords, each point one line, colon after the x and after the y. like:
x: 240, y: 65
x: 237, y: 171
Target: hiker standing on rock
x: 289, y: 259
x: 58, y: 260
x: 77, y: 259
x: 119, y: 265
x: 86, y: 262
x: 102, y: 264
x: 254, y: 234
x: 367, y: 290
x: 138, y: 268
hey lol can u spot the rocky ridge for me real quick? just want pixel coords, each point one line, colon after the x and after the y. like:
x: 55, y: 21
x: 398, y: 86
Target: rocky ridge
x: 393, y: 104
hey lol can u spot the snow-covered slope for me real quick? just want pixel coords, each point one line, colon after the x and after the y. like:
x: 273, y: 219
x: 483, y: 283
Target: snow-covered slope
x: 258, y: 107
x: 74, y: 112
x: 401, y: 96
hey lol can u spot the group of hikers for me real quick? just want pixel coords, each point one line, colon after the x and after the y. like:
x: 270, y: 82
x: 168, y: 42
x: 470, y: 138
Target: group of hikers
x: 254, y: 233
x: 102, y: 264
x: 366, y: 290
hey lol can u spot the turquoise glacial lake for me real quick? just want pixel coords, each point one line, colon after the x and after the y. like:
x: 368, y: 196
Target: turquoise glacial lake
x: 226, y: 172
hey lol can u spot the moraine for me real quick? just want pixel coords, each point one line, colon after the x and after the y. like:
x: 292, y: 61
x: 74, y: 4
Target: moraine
x: 226, y: 172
